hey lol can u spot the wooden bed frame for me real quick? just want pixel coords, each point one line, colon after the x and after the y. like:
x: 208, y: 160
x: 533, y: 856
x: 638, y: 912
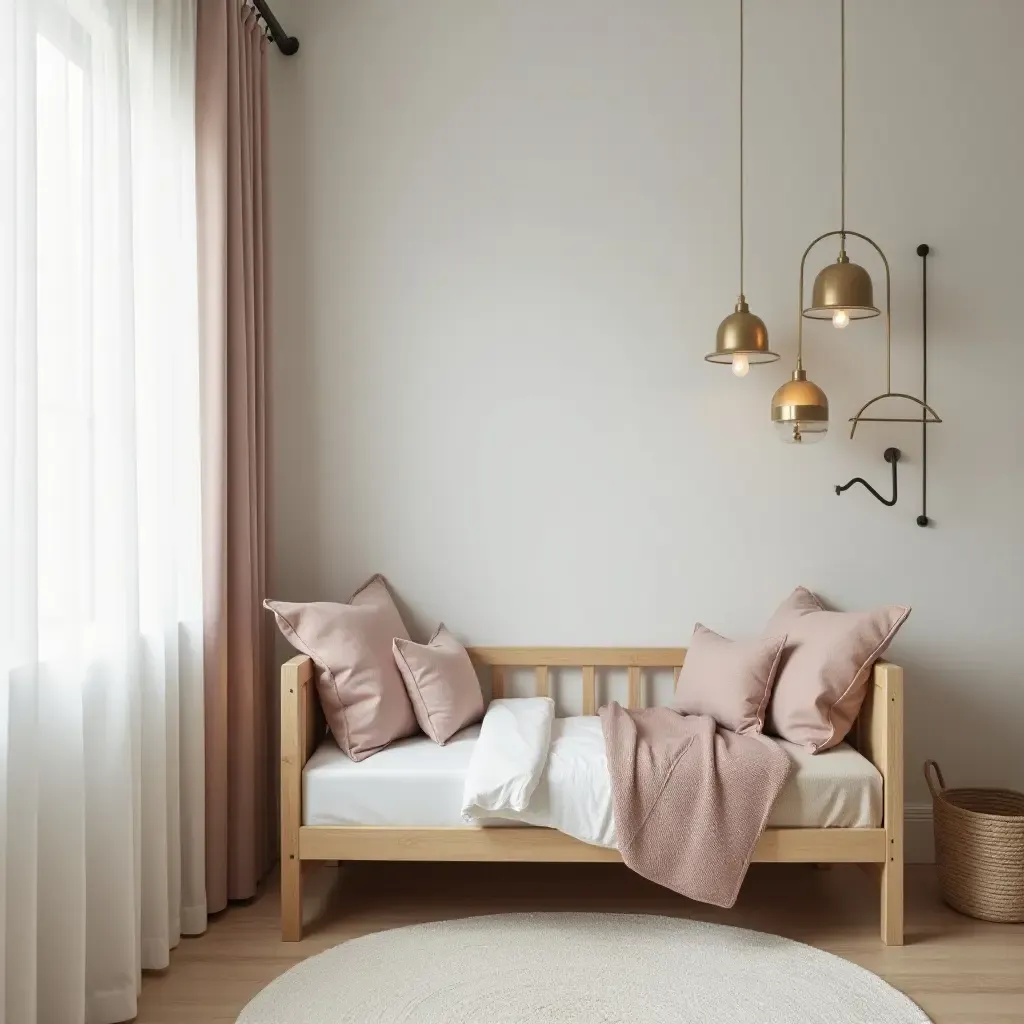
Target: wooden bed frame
x: 877, y: 734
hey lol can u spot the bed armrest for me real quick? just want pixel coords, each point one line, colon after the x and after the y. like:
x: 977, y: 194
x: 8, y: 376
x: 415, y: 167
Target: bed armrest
x: 879, y: 731
x: 879, y: 737
x: 301, y: 725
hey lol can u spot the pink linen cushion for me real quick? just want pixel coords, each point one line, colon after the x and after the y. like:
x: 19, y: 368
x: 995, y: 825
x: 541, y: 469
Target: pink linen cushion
x: 825, y: 667
x: 730, y: 680
x: 361, y: 691
x: 442, y: 684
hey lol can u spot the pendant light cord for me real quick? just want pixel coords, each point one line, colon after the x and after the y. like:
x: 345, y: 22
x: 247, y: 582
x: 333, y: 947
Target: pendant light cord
x: 842, y: 121
x: 741, y: 149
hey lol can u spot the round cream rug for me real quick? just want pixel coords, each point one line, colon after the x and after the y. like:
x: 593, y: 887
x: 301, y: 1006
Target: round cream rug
x: 577, y: 969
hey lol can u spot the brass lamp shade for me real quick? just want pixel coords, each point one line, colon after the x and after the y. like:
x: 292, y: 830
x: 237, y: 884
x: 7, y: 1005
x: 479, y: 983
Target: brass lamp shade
x: 800, y: 410
x: 742, y: 333
x: 842, y: 286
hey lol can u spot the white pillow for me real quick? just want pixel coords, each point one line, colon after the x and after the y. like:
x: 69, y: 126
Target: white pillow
x: 509, y: 756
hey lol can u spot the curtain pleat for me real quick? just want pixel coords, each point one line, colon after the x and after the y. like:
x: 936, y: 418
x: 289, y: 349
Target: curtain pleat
x: 231, y: 140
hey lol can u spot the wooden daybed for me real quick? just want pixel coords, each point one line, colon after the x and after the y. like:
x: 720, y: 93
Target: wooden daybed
x: 877, y: 735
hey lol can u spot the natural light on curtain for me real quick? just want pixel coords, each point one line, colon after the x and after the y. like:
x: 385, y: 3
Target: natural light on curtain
x: 101, y: 720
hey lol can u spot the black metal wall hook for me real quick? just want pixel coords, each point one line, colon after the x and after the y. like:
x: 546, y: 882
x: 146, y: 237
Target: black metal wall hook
x: 892, y: 456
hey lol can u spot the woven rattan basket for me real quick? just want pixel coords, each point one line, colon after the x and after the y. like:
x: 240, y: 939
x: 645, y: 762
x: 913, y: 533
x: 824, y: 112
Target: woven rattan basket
x: 979, y: 847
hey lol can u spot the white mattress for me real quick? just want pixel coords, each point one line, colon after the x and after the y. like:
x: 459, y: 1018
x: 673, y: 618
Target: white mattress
x: 415, y: 782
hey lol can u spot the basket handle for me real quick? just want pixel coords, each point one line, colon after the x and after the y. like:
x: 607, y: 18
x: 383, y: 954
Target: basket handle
x: 933, y: 776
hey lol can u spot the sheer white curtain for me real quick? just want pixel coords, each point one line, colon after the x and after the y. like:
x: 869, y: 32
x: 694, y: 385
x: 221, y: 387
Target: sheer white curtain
x: 101, y: 720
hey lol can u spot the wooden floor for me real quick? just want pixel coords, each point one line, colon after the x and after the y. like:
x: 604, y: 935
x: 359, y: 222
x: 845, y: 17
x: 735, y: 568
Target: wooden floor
x: 959, y: 970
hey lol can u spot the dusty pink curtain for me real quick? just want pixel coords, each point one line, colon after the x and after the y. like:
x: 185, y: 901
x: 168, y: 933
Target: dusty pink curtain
x: 231, y: 116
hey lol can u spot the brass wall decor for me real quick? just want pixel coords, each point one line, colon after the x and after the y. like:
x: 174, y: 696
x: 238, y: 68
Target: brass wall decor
x: 928, y: 414
x: 842, y: 291
x: 742, y: 337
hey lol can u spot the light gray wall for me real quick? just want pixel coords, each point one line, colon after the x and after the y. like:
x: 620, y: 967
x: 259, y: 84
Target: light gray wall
x: 505, y: 235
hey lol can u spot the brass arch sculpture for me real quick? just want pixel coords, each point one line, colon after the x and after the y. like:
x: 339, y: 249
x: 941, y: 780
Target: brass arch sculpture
x: 861, y: 418
x: 888, y: 393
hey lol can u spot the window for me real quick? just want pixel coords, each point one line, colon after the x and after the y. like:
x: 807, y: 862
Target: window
x: 106, y: 347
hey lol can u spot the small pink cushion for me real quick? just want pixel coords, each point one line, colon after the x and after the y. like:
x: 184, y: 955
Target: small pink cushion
x: 730, y: 680
x: 825, y: 667
x: 442, y: 684
x: 362, y: 694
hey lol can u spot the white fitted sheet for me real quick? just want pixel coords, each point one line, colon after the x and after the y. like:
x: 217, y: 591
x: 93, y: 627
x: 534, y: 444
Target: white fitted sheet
x: 416, y: 783
x: 413, y: 782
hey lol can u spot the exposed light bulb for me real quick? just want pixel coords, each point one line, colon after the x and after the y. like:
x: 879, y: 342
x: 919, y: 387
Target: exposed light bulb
x: 840, y: 318
x: 740, y: 364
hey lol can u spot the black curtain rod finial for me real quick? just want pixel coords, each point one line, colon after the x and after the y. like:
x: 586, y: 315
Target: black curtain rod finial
x: 285, y: 43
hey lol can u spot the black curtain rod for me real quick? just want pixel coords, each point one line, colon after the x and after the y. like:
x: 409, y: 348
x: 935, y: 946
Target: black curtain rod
x: 285, y: 43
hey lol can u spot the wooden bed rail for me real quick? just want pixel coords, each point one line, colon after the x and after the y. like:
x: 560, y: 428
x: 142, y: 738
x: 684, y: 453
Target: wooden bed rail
x: 577, y: 657
x: 877, y: 734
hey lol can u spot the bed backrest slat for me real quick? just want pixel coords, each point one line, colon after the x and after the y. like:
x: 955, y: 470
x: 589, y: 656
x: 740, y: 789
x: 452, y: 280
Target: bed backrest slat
x: 589, y: 660
x: 540, y: 676
x: 589, y: 691
x: 633, y: 693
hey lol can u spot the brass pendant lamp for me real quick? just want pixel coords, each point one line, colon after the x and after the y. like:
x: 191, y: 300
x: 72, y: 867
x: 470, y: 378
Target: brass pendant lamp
x: 742, y: 337
x: 800, y: 407
x: 842, y: 291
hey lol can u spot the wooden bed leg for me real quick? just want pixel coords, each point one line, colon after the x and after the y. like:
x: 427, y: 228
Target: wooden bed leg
x: 879, y: 738
x: 892, y: 796
x: 291, y: 900
x: 892, y: 901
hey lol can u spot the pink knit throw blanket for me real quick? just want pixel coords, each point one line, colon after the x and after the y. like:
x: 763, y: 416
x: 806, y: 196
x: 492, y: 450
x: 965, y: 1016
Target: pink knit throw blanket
x: 690, y: 799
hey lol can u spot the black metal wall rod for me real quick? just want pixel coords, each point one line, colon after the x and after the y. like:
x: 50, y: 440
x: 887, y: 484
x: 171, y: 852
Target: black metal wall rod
x: 922, y: 251
x: 285, y: 43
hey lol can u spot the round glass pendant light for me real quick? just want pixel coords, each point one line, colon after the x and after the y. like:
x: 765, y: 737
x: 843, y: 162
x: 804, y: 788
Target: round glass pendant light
x: 800, y: 407
x: 800, y: 410
x: 842, y: 291
x: 742, y: 338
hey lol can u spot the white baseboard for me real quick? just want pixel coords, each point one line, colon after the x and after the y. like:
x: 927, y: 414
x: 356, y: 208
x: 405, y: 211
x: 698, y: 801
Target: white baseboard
x: 918, y: 841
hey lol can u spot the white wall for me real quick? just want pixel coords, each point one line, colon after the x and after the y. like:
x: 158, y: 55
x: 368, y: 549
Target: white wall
x: 506, y: 233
